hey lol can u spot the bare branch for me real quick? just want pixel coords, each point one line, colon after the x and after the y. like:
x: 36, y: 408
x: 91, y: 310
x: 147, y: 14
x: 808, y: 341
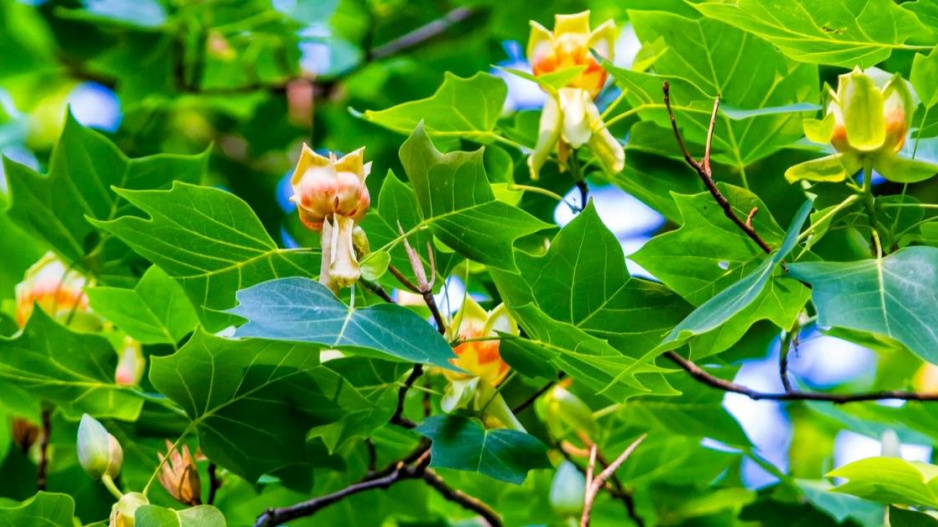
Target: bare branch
x: 703, y: 170
x: 44, y: 434
x: 214, y: 482
x: 837, y: 398
x: 595, y: 484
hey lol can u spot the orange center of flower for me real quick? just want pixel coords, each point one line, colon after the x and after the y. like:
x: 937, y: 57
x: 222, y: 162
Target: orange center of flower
x: 569, y: 51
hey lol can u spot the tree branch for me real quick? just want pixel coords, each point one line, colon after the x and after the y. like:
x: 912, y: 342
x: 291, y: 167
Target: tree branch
x: 457, y: 496
x: 595, y: 484
x: 44, y: 435
x: 214, y: 482
x: 704, y: 171
x: 794, y: 395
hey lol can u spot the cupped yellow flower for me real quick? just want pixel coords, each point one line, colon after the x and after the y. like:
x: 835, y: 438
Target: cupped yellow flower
x: 480, y: 358
x: 326, y: 186
x: 56, y: 289
x: 331, y: 197
x: 867, y: 123
x: 569, y: 45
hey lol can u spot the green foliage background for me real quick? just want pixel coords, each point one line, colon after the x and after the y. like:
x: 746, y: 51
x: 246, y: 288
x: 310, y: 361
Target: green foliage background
x: 175, y: 217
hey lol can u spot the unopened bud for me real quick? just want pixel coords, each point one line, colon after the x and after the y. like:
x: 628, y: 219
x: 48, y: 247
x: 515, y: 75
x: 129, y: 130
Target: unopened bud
x: 180, y: 477
x: 567, y: 490
x: 122, y: 512
x: 25, y: 433
x: 890, y: 444
x: 130, y: 364
x: 99, y: 453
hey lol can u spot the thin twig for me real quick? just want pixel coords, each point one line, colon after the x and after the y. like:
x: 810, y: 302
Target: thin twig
x: 704, y: 171
x: 584, y: 193
x: 214, y: 482
x: 790, y: 340
x: 752, y: 214
x: 595, y: 483
x: 398, y: 417
x: 795, y: 395
x: 534, y: 396
x: 421, y: 34
x: 44, y: 434
x: 457, y: 496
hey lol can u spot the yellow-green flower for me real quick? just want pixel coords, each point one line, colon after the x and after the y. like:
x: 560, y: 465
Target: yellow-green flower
x: 867, y: 124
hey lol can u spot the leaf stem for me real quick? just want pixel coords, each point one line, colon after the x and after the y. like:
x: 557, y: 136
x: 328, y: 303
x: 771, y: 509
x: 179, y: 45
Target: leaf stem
x: 111, y: 487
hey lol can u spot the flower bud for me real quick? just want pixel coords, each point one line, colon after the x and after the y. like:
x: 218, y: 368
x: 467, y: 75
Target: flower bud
x: 566, y: 412
x: 180, y: 477
x: 99, y: 453
x: 55, y: 288
x: 869, y: 118
x: 327, y: 186
x: 567, y: 490
x: 890, y: 444
x: 25, y: 433
x: 480, y: 358
x: 569, y: 45
x: 130, y: 364
x: 122, y: 512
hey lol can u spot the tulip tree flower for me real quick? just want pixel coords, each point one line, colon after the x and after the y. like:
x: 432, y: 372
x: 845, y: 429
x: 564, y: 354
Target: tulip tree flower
x: 123, y: 512
x: 570, y: 119
x: 481, y: 362
x: 867, y: 125
x: 332, y: 198
x: 179, y: 475
x: 57, y: 290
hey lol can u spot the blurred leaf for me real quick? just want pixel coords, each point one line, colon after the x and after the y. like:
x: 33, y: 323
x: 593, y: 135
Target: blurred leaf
x: 467, y: 108
x: 61, y: 207
x: 73, y: 370
x: 843, y: 33
x: 45, y: 508
x: 906, y: 518
x: 200, y: 516
x: 890, y: 480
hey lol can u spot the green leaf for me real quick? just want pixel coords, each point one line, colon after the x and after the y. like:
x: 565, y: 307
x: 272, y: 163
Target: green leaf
x: 200, y: 516
x: 589, y: 359
x: 698, y: 412
x: 397, y: 203
x: 375, y: 265
x: 73, y: 370
x: 843, y: 33
x: 61, y: 208
x: 155, y: 312
x: 906, y: 518
x: 734, y: 299
x: 583, y: 281
x: 210, y: 241
x: 45, y: 508
x: 890, y: 480
x: 457, y: 203
x: 829, y: 169
x: 464, y: 444
x: 894, y: 296
x: 903, y: 170
x: 762, y: 102
x: 467, y: 108
x: 253, y: 402
x: 709, y: 253
x: 924, y: 77
x: 303, y: 310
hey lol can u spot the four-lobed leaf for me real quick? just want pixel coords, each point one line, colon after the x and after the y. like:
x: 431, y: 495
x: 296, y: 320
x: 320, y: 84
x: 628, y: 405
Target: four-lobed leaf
x: 303, y: 310
x: 253, y: 402
x: 44, y: 508
x: 467, y: 108
x: 199, y: 516
x: 61, y: 207
x: 157, y: 311
x: 462, y: 443
x: 456, y: 201
x: 210, y: 241
x: 890, y: 480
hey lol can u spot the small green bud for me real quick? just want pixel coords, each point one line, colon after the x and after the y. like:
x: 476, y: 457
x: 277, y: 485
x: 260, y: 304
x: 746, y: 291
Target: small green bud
x: 98, y: 451
x: 122, y: 512
x: 567, y: 490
